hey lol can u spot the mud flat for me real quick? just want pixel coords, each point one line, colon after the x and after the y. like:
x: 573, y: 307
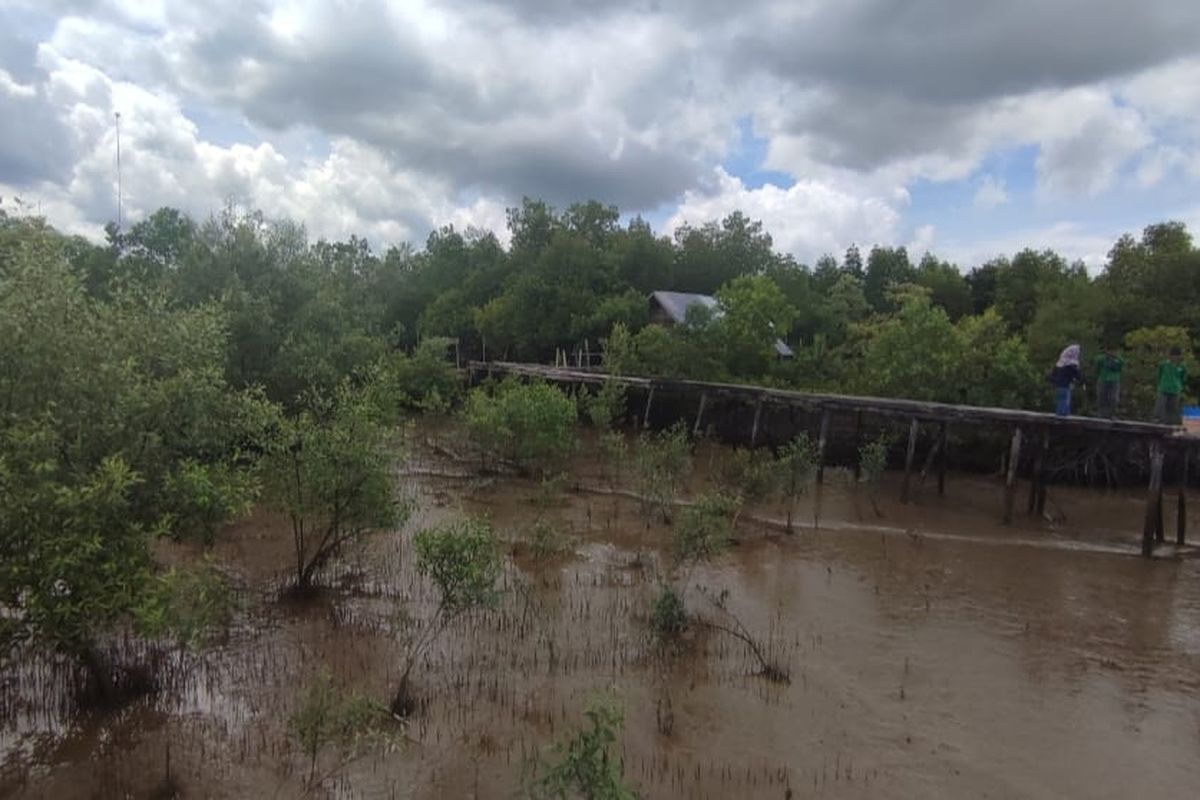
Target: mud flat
x: 931, y: 651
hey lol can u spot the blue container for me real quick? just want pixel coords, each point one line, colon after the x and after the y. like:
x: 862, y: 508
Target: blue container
x: 1191, y: 411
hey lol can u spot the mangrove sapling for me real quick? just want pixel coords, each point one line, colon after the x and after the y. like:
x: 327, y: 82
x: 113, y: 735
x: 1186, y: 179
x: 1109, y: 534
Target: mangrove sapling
x: 753, y: 474
x: 872, y: 459
x: 462, y: 559
x: 769, y: 668
x: 668, y: 615
x: 584, y: 765
x: 661, y: 462
x: 329, y: 716
x: 330, y: 471
x: 187, y: 604
x: 529, y: 425
x: 799, y: 461
x: 606, y: 407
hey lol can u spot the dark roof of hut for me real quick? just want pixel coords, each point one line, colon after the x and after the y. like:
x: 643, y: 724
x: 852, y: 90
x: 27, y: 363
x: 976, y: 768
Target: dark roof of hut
x: 676, y: 304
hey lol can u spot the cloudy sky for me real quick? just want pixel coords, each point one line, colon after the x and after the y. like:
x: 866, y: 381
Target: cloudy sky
x: 968, y: 128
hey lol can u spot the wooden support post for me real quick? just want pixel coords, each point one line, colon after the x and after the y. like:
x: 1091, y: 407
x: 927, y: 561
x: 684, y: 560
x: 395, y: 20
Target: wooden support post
x: 913, y: 429
x: 1181, y: 510
x: 857, y: 446
x: 757, y: 417
x: 1153, y: 496
x: 821, y: 439
x: 1010, y: 483
x: 1035, y: 484
x: 943, y: 443
x: 1040, y: 505
x: 646, y: 413
x: 700, y: 413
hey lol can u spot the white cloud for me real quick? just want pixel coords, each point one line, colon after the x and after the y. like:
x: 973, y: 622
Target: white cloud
x: 807, y: 220
x: 991, y: 193
x: 1071, y: 240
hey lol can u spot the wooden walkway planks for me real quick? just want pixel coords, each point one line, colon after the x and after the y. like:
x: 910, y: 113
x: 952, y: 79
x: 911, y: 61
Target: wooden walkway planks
x: 883, y: 406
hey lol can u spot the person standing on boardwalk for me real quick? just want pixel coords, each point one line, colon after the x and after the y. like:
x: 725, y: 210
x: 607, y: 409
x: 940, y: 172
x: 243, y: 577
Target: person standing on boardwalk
x: 1065, y: 373
x: 1109, y: 366
x: 1172, y: 374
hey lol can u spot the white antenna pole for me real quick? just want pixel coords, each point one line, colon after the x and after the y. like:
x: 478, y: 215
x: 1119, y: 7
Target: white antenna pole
x: 119, y: 209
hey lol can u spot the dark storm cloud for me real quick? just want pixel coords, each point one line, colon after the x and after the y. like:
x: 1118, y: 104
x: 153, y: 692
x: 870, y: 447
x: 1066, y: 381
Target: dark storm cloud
x: 950, y: 51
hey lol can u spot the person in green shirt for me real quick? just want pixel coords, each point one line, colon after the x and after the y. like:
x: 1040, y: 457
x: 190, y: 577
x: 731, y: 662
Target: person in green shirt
x: 1108, y: 383
x: 1172, y: 374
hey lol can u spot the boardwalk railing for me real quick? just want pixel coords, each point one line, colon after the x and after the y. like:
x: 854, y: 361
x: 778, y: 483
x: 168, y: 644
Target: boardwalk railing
x: 1023, y: 424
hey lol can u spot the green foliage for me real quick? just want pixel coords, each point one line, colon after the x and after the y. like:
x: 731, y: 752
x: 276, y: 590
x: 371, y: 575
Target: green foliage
x: 584, y: 764
x: 545, y: 540
x: 798, y: 461
x: 705, y: 528
x: 531, y: 424
x: 424, y: 380
x: 463, y: 560
x: 752, y: 474
x: 329, y: 716
x: 329, y: 470
x: 604, y: 408
x: 872, y: 460
x: 668, y: 615
x: 188, y: 604
x: 914, y: 354
x: 661, y: 461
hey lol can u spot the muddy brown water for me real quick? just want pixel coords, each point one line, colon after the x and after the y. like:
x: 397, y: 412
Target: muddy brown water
x: 932, y: 651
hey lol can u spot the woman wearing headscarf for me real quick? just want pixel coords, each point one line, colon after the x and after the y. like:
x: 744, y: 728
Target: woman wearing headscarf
x: 1063, y: 376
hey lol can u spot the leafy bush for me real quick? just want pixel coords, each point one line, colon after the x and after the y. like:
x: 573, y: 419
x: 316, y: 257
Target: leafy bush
x: 662, y: 460
x: 668, y: 615
x: 584, y: 765
x: 531, y: 424
x: 705, y: 528
x: 1145, y: 350
x: 330, y: 472
x: 462, y: 559
x: 799, y: 462
x: 424, y: 380
x: 188, y: 604
x: 753, y: 474
x: 329, y: 716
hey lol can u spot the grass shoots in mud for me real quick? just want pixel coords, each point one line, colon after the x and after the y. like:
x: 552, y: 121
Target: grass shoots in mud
x: 661, y: 462
x: 328, y: 716
x: 584, y: 765
x: 872, y: 459
x: 463, y: 561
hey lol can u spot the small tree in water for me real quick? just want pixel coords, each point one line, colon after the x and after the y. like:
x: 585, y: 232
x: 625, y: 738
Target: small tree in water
x: 330, y: 472
x: 463, y: 561
x: 328, y: 716
x: 799, y: 461
x: 584, y: 765
x: 531, y: 425
x: 661, y: 462
x: 872, y: 461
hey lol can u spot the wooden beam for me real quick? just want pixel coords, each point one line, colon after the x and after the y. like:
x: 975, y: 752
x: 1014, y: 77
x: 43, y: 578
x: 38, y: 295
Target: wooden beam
x: 700, y: 413
x: 943, y: 443
x: 1010, y: 483
x: 757, y: 417
x: 913, y: 429
x: 821, y: 440
x: 1153, y: 497
x: 1181, y: 510
x: 646, y: 413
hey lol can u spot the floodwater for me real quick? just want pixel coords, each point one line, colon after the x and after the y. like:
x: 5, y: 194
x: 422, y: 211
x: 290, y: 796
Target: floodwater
x: 932, y: 652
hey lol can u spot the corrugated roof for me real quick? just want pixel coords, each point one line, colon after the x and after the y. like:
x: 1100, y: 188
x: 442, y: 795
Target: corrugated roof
x: 676, y: 304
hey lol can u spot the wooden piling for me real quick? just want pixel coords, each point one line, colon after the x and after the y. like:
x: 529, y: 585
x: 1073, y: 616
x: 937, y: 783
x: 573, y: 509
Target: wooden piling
x: 1040, y: 504
x: 821, y: 439
x: 913, y: 429
x: 1181, y: 510
x: 646, y: 413
x: 1010, y: 483
x: 943, y: 443
x: 1035, y: 483
x: 1153, y: 499
x: 700, y: 413
x: 857, y: 446
x: 757, y: 417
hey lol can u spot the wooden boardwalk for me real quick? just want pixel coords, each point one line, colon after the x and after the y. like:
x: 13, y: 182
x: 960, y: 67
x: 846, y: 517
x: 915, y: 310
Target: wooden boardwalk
x: 1035, y: 428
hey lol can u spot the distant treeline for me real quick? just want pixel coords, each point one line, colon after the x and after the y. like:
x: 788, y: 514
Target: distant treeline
x: 301, y: 314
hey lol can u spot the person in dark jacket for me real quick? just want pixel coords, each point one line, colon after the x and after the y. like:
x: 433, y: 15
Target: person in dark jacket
x: 1064, y: 375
